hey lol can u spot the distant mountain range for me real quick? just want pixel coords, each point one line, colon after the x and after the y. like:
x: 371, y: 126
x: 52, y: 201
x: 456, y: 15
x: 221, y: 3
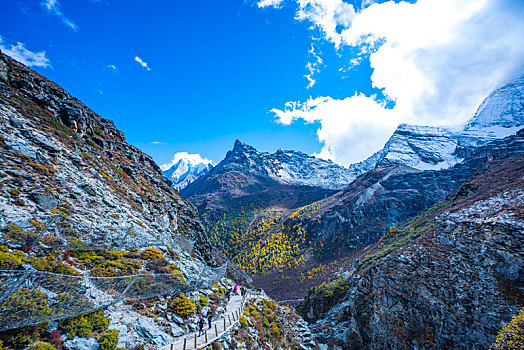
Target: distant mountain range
x: 419, y: 147
x: 186, y: 168
x: 248, y: 178
x: 252, y: 200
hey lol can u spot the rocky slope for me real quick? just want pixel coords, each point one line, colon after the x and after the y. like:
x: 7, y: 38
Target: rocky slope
x: 186, y: 169
x: 347, y: 223
x: 80, y: 202
x: 448, y: 278
x: 57, y: 153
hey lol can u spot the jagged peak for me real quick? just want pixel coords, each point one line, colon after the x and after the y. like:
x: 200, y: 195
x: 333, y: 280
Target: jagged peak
x: 240, y: 147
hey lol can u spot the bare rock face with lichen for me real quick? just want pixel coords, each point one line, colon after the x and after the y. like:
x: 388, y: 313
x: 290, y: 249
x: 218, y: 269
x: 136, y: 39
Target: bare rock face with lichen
x: 59, y: 156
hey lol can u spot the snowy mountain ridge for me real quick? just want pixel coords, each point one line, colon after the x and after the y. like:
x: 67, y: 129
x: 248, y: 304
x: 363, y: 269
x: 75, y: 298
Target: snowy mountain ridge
x: 186, y: 168
x: 433, y: 148
x: 294, y: 167
x: 503, y: 108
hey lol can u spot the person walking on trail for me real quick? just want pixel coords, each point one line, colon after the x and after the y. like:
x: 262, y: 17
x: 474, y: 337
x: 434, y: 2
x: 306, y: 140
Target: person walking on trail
x: 200, y: 325
x: 228, y: 295
x: 210, y: 318
x: 235, y: 289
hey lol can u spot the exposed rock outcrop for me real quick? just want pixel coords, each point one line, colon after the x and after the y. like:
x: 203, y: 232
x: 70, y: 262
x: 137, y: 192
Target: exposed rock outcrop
x: 58, y: 154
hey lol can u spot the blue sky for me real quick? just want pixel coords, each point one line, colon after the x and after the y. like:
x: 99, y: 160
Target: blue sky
x: 216, y: 69
x: 196, y: 75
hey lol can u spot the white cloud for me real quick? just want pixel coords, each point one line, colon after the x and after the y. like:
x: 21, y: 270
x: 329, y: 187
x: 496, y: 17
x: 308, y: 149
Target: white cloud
x: 23, y: 55
x: 326, y: 15
x: 158, y: 143
x: 313, y: 66
x: 343, y: 135
x: 142, y: 63
x: 436, y: 59
x: 192, y: 158
x: 54, y: 7
x: 269, y: 3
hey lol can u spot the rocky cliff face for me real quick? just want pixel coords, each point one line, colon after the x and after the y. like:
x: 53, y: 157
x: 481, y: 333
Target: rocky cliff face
x: 80, y: 209
x: 57, y: 154
x: 447, y: 279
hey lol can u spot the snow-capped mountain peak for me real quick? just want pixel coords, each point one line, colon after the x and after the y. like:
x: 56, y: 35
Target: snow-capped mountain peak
x: 432, y: 148
x: 186, y: 168
x: 291, y: 167
x: 502, y: 112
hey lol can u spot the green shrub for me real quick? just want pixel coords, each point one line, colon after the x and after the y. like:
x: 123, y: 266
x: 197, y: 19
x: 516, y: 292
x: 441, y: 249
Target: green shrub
x: 86, y: 326
x: 243, y: 321
x: 203, y: 300
x: 114, y: 254
x: 15, y: 233
x: 274, y: 330
x: 98, y: 321
x: 14, y: 192
x: 108, y: 339
x: 78, y: 327
x: 214, y: 297
x: 12, y: 260
x: 42, y: 346
x: 151, y: 253
x: 20, y: 338
x: 51, y: 264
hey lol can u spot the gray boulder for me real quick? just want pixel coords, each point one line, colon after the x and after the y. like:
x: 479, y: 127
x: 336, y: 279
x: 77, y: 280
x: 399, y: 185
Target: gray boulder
x: 82, y: 344
x: 149, y: 330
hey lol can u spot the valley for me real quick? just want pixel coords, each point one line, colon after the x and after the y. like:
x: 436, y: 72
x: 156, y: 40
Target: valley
x: 417, y: 246
x: 275, y: 240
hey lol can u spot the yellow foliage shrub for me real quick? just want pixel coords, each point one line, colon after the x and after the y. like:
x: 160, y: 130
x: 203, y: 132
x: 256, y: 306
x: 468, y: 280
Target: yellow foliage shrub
x: 511, y: 336
x: 151, y: 253
x: 183, y: 306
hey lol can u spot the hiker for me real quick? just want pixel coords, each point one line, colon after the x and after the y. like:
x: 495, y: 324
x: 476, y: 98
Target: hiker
x: 210, y: 318
x: 228, y: 295
x: 200, y: 325
x: 235, y: 289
